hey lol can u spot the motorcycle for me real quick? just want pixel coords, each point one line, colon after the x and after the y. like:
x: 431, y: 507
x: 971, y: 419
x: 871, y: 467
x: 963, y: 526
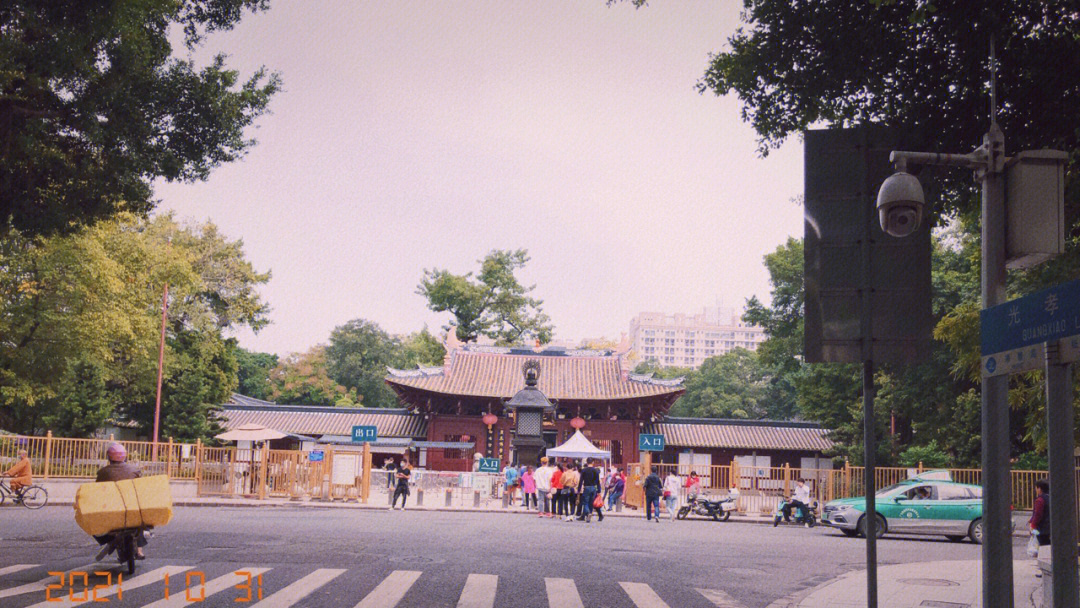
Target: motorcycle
x: 126, y: 542
x: 806, y: 515
x: 719, y: 510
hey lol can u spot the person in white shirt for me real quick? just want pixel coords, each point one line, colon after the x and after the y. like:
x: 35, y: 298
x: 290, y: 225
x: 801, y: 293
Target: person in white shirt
x: 542, y: 477
x: 672, y: 485
x: 801, y: 500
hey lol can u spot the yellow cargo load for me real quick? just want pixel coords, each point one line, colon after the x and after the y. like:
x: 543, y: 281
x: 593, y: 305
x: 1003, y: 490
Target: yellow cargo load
x: 105, y: 506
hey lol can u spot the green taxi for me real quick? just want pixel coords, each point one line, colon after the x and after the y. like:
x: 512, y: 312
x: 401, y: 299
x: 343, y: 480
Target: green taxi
x: 914, y: 506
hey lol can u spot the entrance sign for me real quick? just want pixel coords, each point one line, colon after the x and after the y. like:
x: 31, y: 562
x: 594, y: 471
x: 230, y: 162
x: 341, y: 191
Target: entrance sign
x: 1013, y: 333
x: 489, y: 465
x: 650, y: 443
x: 365, y: 433
x: 315, y: 456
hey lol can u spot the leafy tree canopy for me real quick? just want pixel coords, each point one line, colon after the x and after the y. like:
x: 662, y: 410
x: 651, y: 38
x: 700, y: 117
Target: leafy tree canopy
x: 357, y: 357
x: 303, y: 379
x: 492, y: 304
x: 95, y: 105
x: 253, y: 372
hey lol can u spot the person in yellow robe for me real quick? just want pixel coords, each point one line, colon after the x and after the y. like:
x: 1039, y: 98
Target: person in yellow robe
x: 21, y: 475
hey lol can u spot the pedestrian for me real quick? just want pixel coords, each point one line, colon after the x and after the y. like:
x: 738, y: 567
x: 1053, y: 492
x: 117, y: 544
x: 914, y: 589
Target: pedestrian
x: 402, y: 475
x: 693, y: 485
x: 654, y: 489
x: 618, y: 486
x: 390, y: 467
x: 590, y: 489
x: 542, y: 477
x: 557, y: 506
x: 1040, y: 518
x: 570, y: 479
x: 511, y: 475
x: 672, y: 485
x: 528, y: 488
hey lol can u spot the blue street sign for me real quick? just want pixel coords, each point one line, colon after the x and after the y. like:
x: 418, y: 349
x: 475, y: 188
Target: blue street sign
x: 315, y: 456
x: 489, y: 465
x: 1013, y: 332
x: 365, y: 433
x: 650, y: 443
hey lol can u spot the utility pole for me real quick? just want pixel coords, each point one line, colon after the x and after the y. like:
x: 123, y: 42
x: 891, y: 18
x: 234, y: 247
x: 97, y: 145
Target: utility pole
x: 160, y: 370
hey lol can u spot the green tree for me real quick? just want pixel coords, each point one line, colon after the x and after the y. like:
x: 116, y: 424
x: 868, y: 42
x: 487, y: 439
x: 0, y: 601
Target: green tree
x: 929, y: 455
x: 253, y: 372
x: 732, y: 385
x: 667, y: 373
x: 95, y: 105
x: 83, y: 404
x: 357, y: 357
x: 201, y: 375
x: 419, y: 349
x: 493, y: 304
x: 303, y: 379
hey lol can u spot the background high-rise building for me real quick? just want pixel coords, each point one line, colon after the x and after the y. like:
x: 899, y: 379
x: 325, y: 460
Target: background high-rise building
x: 681, y: 340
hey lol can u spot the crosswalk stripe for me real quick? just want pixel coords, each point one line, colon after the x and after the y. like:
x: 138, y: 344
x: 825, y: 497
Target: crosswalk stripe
x: 643, y: 596
x: 720, y: 599
x: 562, y: 593
x: 16, y: 568
x: 300, y: 589
x: 39, y: 586
x: 479, y: 591
x: 142, y: 580
x: 181, y: 589
x: 389, y: 592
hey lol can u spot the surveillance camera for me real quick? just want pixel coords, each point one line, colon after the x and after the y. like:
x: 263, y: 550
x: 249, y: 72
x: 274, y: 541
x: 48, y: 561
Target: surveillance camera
x: 900, y: 204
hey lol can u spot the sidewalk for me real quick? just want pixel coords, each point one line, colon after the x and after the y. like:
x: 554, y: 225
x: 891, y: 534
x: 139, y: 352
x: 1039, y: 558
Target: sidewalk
x: 943, y: 584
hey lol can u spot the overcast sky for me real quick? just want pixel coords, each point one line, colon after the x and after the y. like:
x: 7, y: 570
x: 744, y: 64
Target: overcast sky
x: 412, y: 135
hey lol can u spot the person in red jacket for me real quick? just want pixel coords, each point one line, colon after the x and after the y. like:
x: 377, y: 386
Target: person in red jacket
x: 1040, y: 513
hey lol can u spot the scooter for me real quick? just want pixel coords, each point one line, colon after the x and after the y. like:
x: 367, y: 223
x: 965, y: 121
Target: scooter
x: 126, y: 542
x: 719, y: 510
x: 806, y: 515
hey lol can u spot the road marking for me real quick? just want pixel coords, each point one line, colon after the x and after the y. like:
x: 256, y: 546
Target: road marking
x: 16, y: 568
x: 191, y: 586
x: 479, y: 591
x: 39, y: 586
x: 300, y: 589
x: 142, y: 580
x: 390, y: 591
x: 643, y: 596
x: 562, y: 593
x: 720, y: 599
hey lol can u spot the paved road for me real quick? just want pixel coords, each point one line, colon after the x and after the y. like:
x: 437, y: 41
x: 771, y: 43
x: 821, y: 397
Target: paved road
x: 381, y: 559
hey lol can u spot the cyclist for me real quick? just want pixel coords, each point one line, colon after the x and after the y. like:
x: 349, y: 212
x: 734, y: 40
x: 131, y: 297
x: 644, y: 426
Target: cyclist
x: 118, y: 469
x: 20, y: 474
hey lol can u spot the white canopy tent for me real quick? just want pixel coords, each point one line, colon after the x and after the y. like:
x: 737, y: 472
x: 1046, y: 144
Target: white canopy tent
x: 578, y: 446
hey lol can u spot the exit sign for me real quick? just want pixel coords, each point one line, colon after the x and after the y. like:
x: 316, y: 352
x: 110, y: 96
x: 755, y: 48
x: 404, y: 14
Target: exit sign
x: 650, y: 443
x: 365, y: 433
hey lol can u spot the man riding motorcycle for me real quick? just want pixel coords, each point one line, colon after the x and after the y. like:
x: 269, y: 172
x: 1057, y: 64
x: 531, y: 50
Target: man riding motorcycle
x: 800, y: 501
x: 118, y: 469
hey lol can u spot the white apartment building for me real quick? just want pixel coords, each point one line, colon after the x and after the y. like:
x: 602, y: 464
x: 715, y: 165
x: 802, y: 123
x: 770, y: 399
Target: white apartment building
x: 681, y: 340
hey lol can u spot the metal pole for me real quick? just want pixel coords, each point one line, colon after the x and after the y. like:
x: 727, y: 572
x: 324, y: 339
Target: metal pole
x: 997, y: 566
x: 1059, y: 424
x: 869, y: 457
x: 160, y: 369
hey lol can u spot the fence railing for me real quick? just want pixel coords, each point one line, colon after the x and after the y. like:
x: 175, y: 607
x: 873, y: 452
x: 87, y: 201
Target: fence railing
x: 81, y: 458
x: 760, y: 488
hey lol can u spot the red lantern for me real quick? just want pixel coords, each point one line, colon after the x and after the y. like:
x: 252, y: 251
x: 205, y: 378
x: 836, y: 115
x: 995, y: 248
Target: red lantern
x: 490, y: 419
x: 577, y: 423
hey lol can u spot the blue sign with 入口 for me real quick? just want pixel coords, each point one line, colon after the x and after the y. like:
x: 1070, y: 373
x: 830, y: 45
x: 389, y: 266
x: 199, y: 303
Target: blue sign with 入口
x: 365, y: 433
x: 650, y: 442
x: 315, y: 456
x: 489, y: 465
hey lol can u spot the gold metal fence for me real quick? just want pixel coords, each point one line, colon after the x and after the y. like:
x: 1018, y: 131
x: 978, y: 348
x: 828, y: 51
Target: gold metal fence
x: 81, y: 458
x: 825, y: 484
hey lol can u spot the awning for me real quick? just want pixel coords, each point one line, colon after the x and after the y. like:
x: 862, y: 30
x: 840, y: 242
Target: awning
x: 578, y: 446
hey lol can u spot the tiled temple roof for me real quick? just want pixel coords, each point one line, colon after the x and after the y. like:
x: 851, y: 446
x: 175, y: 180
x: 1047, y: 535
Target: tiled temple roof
x: 742, y: 434
x: 495, y: 372
x: 316, y: 420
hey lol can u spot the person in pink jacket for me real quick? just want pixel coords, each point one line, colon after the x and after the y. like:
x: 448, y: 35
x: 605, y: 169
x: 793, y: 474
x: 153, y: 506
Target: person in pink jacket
x: 528, y: 488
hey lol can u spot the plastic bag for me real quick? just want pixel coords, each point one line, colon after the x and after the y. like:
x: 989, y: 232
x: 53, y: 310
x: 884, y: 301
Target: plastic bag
x: 1033, y: 546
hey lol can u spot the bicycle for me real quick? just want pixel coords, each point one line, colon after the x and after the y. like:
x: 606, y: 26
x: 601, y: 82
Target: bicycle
x: 31, y: 497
